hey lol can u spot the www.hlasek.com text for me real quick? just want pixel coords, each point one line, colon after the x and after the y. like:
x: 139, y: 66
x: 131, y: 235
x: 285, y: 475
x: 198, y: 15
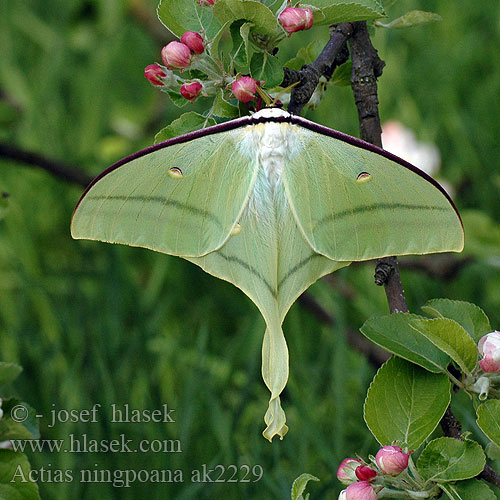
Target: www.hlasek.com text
x: 83, y: 444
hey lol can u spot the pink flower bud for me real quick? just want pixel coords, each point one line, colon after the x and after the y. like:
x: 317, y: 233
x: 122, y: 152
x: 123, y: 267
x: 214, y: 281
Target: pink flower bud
x: 365, y: 473
x: 194, y: 41
x: 392, y: 460
x: 176, y: 55
x: 489, y: 348
x: 191, y: 91
x: 359, y: 491
x: 346, y: 473
x: 154, y: 73
x: 293, y: 19
x: 244, y: 88
x: 205, y: 3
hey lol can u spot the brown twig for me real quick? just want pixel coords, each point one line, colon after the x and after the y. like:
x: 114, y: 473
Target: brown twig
x: 333, y: 54
x: 59, y: 169
x: 366, y: 68
x: 451, y: 426
x: 490, y: 475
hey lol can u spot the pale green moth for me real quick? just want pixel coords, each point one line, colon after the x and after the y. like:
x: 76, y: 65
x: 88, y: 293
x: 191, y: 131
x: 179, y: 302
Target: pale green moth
x: 270, y: 202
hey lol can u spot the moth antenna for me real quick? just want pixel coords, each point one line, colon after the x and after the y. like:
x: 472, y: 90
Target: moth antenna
x: 265, y: 96
x: 286, y: 89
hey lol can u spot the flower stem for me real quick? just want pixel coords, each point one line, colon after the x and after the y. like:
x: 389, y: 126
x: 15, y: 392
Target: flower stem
x: 455, y: 380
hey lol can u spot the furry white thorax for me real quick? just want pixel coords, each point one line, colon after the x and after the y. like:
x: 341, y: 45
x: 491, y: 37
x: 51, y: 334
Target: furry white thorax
x: 270, y: 141
x: 272, y: 144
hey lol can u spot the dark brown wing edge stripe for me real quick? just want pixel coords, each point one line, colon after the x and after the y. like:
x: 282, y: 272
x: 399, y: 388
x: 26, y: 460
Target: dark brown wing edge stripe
x: 354, y: 141
x: 221, y: 127
x: 249, y: 120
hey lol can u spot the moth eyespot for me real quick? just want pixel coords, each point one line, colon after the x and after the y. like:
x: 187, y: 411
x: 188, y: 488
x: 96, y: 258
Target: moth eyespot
x: 175, y: 173
x: 236, y: 229
x: 363, y: 177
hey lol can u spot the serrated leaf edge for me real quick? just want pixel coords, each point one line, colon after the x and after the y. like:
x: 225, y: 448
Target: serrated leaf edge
x: 485, y: 406
x: 453, y: 439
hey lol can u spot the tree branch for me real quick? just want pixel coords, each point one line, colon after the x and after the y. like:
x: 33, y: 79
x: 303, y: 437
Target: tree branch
x: 55, y: 167
x: 490, y: 475
x: 333, y: 54
x: 450, y: 425
x: 366, y: 68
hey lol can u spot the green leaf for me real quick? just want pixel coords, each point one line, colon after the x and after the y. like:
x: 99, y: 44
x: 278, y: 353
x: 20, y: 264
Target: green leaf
x: 294, y: 63
x: 299, y: 485
x: 245, y: 33
x: 9, y: 372
x: 468, y: 315
x: 492, y: 451
x: 179, y: 16
x: 488, y: 419
x: 213, y: 44
x: 195, y: 74
x: 239, y: 35
x: 262, y: 17
x: 25, y: 425
x: 451, y: 338
x: 223, y: 108
x: 305, y: 55
x: 274, y: 5
x: 267, y: 68
x: 342, y: 75
x: 411, y: 19
x: 405, y: 403
x: 395, y: 334
x: 337, y: 11
x: 15, y: 483
x: 472, y: 489
x: 177, y: 98
x: 185, y: 123
x: 448, y: 459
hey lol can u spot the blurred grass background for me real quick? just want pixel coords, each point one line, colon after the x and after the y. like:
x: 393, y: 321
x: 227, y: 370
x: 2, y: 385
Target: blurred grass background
x: 95, y: 323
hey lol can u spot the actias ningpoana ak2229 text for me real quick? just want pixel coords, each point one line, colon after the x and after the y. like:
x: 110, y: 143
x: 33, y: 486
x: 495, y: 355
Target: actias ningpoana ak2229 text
x: 270, y: 202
